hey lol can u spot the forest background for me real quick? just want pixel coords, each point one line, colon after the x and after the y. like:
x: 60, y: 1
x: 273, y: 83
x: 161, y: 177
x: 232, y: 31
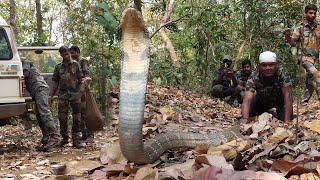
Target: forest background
x: 188, y: 37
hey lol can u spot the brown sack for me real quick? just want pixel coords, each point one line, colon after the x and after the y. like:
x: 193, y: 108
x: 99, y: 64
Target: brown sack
x: 94, y: 120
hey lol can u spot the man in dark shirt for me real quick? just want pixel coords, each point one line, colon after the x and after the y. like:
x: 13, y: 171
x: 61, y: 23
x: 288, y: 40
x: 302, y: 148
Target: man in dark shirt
x: 242, y: 77
x: 269, y: 87
x: 39, y: 91
x: 225, y: 82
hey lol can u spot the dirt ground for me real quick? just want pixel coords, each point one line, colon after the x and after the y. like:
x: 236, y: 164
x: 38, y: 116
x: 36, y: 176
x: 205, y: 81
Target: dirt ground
x: 167, y: 109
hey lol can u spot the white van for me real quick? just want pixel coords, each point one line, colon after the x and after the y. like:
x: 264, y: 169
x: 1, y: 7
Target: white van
x: 12, y: 88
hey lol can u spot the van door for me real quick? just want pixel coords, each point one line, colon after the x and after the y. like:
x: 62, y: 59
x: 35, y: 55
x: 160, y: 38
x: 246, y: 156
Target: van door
x: 11, y: 76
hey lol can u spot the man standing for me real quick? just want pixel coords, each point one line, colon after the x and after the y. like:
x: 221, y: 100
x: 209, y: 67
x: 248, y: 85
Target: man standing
x: 307, y: 37
x: 225, y: 82
x: 242, y: 76
x: 87, y: 135
x: 39, y: 91
x: 269, y: 87
x: 68, y: 77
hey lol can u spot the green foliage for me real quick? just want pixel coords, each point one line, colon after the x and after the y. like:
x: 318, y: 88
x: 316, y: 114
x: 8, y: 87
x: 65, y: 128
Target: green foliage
x: 204, y: 32
x: 105, y: 18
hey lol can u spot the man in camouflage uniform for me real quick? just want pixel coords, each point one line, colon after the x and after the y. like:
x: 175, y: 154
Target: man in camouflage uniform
x: 68, y: 77
x: 39, y: 91
x: 225, y: 82
x: 87, y: 135
x: 242, y: 77
x: 307, y: 37
x: 269, y: 87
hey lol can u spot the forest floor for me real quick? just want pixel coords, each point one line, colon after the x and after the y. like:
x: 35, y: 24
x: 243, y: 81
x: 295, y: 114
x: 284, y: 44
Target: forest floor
x: 269, y: 148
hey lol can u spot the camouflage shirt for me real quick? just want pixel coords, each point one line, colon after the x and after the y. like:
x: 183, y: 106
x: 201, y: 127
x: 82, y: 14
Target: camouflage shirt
x: 269, y: 89
x: 84, y: 64
x: 309, y: 34
x: 226, y: 80
x: 35, y: 81
x: 242, y: 77
x: 68, y: 77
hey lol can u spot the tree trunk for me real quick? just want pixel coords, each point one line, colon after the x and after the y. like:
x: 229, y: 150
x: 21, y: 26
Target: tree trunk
x: 12, y: 20
x: 40, y: 38
x: 165, y: 38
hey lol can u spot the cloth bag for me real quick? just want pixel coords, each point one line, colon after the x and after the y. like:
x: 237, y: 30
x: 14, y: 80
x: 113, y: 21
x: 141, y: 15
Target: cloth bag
x: 94, y: 120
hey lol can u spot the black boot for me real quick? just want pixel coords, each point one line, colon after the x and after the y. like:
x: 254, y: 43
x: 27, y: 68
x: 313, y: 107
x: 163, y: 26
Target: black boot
x: 76, y: 142
x: 53, y: 142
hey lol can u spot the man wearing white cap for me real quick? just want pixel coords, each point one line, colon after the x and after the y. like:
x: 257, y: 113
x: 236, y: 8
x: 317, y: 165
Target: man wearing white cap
x: 269, y: 87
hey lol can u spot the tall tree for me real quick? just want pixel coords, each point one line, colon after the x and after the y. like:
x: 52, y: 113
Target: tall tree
x: 12, y: 19
x: 39, y: 37
x: 164, y: 36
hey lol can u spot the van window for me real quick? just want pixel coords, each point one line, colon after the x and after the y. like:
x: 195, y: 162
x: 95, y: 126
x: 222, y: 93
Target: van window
x: 5, y: 50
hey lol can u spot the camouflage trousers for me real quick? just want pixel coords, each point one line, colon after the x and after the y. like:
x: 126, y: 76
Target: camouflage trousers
x: 313, y: 71
x: 43, y: 114
x: 63, y: 110
x: 85, y: 131
x: 220, y: 91
x: 309, y: 88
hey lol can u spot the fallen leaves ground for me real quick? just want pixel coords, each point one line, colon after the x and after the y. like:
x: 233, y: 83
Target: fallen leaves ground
x: 268, y: 145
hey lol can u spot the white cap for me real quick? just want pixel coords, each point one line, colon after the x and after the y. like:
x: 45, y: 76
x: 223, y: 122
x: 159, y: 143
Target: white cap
x: 267, y: 56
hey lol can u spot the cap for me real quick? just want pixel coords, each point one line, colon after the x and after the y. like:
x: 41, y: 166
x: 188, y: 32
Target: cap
x: 26, y: 64
x: 267, y: 56
x: 227, y: 57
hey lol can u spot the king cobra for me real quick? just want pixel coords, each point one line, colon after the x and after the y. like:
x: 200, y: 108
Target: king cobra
x: 134, y: 46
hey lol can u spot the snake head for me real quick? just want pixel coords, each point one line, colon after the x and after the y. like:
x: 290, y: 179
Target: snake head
x: 131, y: 18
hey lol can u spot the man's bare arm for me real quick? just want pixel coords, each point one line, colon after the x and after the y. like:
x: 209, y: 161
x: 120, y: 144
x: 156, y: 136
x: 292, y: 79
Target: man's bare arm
x: 246, y: 104
x: 53, y: 89
x: 288, y: 102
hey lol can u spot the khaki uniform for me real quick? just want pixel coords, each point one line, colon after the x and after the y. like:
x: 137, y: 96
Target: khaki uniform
x: 307, y: 37
x: 268, y: 93
x: 69, y: 78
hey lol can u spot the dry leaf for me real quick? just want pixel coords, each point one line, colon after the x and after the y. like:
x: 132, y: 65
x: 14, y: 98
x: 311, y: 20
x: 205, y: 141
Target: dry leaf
x: 113, y: 169
x: 280, y: 135
x: 318, y: 168
x: 315, y: 126
x: 230, y: 149
x: 260, y: 125
x: 111, y: 154
x: 129, y: 169
x: 294, y: 177
x: 201, y: 149
x: 175, y: 170
x: 308, y: 176
x: 266, y: 176
x: 79, y: 167
x: 148, y: 130
x: 302, y: 146
x: 98, y: 175
x: 213, y: 160
x: 146, y: 173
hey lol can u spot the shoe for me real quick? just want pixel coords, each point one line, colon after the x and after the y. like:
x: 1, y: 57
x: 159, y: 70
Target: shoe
x: 53, y: 142
x: 90, y: 139
x: 78, y: 144
x: 40, y: 147
x: 63, y: 142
